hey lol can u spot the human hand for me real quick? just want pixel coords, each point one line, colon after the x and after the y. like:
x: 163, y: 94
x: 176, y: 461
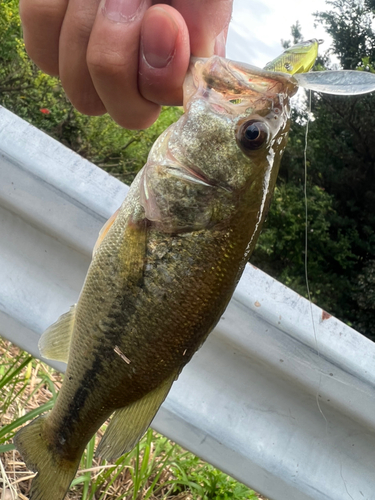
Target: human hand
x: 124, y: 57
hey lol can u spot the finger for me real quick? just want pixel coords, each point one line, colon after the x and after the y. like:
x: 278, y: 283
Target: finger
x: 41, y: 23
x: 207, y: 21
x: 113, y: 55
x: 164, y: 55
x: 220, y: 42
x: 74, y: 73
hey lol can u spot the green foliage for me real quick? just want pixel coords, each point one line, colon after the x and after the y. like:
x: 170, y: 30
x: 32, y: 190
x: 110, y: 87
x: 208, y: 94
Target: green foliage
x: 281, y: 247
x: 15, y: 378
x: 140, y: 469
x: 205, y: 482
x: 14, y: 64
x: 364, y: 293
x: 296, y: 36
x: 349, y: 22
x: 157, y: 468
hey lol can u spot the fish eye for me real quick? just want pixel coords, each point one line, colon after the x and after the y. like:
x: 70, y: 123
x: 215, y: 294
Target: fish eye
x: 251, y: 135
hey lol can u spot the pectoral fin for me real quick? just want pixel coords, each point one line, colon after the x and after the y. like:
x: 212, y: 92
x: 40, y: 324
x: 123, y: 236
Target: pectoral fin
x: 55, y: 341
x: 130, y: 423
x: 104, y: 230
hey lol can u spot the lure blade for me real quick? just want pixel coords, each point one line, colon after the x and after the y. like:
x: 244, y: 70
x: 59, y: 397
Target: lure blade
x: 344, y: 82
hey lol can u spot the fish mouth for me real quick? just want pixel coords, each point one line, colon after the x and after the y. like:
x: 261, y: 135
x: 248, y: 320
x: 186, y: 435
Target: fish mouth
x: 233, y: 85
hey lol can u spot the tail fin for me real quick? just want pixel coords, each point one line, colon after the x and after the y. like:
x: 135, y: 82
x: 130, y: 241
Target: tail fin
x: 54, y: 474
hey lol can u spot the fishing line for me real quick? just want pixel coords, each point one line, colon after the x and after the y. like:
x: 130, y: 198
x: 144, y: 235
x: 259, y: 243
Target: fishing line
x: 306, y: 249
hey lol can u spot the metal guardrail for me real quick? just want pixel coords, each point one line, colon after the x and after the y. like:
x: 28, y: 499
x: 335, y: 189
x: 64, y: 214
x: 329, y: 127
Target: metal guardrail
x: 284, y: 409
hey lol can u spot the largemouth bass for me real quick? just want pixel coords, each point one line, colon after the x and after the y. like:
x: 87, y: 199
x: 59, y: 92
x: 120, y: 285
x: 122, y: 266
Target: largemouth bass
x: 164, y: 267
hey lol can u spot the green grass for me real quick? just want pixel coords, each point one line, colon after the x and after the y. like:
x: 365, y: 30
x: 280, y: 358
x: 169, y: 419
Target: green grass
x: 155, y: 469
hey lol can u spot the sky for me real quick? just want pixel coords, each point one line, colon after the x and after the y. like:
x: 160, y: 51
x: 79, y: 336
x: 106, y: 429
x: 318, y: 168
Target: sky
x: 258, y: 26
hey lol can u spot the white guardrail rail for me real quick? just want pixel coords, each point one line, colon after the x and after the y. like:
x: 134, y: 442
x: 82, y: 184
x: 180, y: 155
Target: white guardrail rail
x: 287, y: 411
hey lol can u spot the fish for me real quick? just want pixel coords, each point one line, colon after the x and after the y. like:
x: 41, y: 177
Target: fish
x: 163, y: 269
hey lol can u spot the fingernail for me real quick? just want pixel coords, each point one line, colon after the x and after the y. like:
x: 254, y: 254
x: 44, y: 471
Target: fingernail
x: 158, y: 45
x: 220, y: 41
x: 122, y: 11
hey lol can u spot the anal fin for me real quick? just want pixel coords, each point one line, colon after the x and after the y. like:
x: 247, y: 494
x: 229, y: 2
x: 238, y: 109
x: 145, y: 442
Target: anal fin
x: 55, y: 341
x: 130, y: 423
